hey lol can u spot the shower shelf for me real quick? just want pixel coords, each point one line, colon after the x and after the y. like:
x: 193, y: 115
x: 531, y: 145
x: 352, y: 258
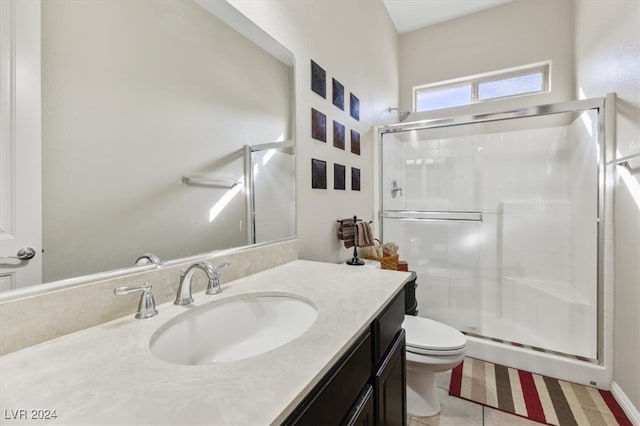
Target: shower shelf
x: 210, y: 181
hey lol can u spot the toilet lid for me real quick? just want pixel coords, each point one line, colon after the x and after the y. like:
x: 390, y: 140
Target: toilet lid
x: 427, y: 336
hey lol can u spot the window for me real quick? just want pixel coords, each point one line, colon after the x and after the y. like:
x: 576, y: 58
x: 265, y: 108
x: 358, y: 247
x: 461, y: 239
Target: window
x: 525, y: 80
x: 444, y: 97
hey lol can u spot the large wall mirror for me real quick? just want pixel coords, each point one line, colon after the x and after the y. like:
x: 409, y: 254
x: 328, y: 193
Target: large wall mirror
x: 148, y: 108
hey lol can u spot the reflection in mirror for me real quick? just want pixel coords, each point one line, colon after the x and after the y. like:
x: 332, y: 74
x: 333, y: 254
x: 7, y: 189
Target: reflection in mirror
x: 136, y: 96
x: 271, y: 191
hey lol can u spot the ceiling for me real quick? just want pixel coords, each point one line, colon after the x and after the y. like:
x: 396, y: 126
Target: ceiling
x: 409, y: 15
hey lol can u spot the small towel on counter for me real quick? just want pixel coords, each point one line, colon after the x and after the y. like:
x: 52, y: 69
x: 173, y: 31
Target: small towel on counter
x: 347, y: 232
x: 364, y: 236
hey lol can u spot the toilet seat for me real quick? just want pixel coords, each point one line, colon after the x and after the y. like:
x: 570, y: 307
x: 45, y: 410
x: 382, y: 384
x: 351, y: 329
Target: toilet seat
x: 428, y: 337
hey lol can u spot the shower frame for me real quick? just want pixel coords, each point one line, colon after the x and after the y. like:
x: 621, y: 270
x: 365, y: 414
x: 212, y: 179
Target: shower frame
x: 249, y: 182
x: 605, y: 149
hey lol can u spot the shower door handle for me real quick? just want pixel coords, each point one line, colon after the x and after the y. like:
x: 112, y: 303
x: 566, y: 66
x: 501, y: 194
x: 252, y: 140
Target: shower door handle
x: 419, y: 215
x: 395, y: 189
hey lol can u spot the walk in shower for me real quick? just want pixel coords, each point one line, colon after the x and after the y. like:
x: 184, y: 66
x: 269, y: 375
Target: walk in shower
x: 500, y: 216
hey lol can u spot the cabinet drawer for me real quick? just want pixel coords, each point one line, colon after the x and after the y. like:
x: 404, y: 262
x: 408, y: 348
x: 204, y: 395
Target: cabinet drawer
x: 332, y: 399
x: 386, y: 327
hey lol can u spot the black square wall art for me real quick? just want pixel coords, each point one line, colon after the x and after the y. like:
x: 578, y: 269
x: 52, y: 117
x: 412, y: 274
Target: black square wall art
x: 355, y: 179
x: 339, y: 177
x: 318, y: 174
x: 338, y: 135
x: 318, y: 79
x: 354, y: 106
x: 355, y: 142
x: 318, y: 125
x: 338, y: 94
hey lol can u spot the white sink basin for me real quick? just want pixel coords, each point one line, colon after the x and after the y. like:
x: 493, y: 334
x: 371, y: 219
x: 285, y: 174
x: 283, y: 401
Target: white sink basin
x: 233, y: 330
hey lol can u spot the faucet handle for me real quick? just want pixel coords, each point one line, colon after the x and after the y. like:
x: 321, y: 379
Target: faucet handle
x: 223, y: 265
x: 147, y: 304
x: 213, y: 287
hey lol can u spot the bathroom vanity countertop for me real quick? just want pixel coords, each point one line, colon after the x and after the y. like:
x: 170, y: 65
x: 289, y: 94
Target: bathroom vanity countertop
x: 106, y: 375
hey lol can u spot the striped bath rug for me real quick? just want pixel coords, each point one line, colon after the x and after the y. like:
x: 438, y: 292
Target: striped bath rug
x: 538, y: 398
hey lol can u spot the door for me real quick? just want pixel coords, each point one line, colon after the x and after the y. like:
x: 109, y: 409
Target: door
x: 433, y: 210
x: 20, y: 136
x: 500, y: 222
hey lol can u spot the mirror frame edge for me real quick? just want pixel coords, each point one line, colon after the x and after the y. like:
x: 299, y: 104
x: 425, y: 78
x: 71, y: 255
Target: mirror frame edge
x: 36, y: 290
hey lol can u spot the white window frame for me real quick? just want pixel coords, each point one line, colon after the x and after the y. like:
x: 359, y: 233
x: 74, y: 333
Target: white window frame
x: 476, y: 80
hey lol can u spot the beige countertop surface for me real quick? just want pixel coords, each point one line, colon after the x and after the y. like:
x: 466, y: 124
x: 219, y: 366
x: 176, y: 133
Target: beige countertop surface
x: 106, y: 375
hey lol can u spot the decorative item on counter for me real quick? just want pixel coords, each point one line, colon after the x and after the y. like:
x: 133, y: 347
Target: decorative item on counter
x: 386, y: 254
x: 347, y: 232
x: 364, y: 235
x: 389, y: 249
x: 355, y: 233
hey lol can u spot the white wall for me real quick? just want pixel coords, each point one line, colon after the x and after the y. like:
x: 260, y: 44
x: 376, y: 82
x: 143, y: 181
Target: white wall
x: 356, y: 43
x: 135, y: 95
x: 608, y: 60
x: 514, y: 34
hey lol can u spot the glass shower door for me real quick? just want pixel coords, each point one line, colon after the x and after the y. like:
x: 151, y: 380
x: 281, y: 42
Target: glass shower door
x: 499, y: 221
x: 433, y: 218
x: 271, y: 195
x: 447, y: 264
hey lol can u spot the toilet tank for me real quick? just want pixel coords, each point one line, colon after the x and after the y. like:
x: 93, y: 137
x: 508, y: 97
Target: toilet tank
x: 410, y: 302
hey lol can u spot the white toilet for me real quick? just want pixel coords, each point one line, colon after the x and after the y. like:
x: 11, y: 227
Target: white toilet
x: 432, y: 347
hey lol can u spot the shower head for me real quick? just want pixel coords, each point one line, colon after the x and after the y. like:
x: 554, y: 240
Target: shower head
x: 402, y: 115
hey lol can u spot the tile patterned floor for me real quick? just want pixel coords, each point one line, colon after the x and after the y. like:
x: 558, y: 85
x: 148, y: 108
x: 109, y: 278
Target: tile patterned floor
x: 458, y: 412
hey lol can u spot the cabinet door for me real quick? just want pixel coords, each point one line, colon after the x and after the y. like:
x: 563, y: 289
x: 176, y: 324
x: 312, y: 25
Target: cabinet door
x: 385, y: 328
x: 363, y: 411
x: 334, y: 397
x: 390, y: 385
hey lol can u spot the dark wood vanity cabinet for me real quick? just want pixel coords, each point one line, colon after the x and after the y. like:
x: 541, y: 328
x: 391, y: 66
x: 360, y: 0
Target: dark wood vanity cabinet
x: 390, y: 374
x: 391, y: 386
x: 330, y: 402
x: 367, y: 386
x: 363, y: 411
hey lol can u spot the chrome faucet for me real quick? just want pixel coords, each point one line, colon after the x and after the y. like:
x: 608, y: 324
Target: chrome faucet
x: 147, y: 304
x: 213, y: 286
